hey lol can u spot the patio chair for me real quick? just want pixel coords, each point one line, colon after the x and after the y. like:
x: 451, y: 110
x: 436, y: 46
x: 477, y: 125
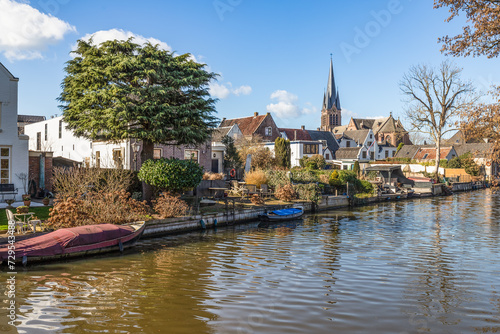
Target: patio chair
x: 265, y: 191
x: 250, y: 189
x: 35, y: 223
x: 20, y: 225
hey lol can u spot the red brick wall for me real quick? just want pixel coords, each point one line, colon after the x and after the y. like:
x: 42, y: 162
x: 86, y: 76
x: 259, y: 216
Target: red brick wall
x: 261, y: 130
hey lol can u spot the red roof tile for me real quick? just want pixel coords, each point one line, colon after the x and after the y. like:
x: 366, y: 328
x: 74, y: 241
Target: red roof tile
x: 431, y: 153
x: 296, y: 134
x: 247, y: 125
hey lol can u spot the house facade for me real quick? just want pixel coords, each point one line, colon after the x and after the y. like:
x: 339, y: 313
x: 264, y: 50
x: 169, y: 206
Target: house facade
x: 13, y: 146
x: 219, y: 149
x: 262, y: 126
x: 300, y: 149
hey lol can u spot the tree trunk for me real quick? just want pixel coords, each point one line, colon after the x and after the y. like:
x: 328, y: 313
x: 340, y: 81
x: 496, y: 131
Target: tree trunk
x: 438, y: 158
x: 146, y: 154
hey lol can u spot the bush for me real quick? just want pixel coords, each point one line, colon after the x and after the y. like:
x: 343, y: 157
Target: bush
x: 96, y: 207
x: 443, y: 163
x: 304, y: 176
x: 467, y: 162
x: 454, y: 163
x: 257, y: 177
x: 364, y: 187
x: 356, y: 169
x: 277, y: 177
x: 171, y: 175
x: 334, y: 180
x: 256, y: 199
x: 285, y: 193
x: 168, y: 205
x: 308, y: 192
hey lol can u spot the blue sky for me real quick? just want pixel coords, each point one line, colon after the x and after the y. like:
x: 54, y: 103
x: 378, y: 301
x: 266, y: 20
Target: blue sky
x: 271, y: 55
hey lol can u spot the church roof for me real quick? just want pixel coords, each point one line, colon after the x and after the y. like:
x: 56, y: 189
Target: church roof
x: 247, y: 125
x: 331, y: 98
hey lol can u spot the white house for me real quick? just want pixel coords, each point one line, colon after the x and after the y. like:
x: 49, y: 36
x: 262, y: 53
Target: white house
x: 13, y: 147
x: 218, y: 149
x: 52, y: 136
x: 300, y: 149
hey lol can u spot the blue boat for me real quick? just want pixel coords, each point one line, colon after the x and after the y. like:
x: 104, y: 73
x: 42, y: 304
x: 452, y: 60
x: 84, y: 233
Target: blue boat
x: 282, y: 215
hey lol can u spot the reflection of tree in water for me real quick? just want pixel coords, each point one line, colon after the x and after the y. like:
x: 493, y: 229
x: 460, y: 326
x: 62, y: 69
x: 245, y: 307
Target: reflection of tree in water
x: 436, y: 289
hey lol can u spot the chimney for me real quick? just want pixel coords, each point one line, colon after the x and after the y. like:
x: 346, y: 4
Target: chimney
x: 223, y: 119
x: 303, y: 127
x: 268, y: 113
x: 255, y: 114
x: 295, y: 134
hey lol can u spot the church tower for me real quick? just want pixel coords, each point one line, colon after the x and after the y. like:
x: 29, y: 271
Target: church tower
x: 331, y: 110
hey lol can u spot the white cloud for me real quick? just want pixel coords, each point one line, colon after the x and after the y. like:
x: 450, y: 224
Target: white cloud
x: 286, y: 105
x: 218, y: 91
x: 25, y: 32
x: 110, y: 35
x: 222, y: 91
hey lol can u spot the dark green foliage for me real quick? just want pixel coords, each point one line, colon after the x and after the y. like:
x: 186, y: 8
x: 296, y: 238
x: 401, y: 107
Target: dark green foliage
x: 356, y: 168
x: 277, y: 178
x: 309, y: 192
x: 365, y: 187
x: 304, y: 176
x: 454, y: 163
x: 443, y: 163
x: 171, y: 175
x: 231, y: 156
x: 467, y: 162
x: 303, y: 161
x: 282, y: 152
x: 316, y: 161
x: 119, y: 90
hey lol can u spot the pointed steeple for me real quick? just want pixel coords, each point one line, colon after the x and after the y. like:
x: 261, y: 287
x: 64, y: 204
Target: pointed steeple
x: 324, y: 101
x: 337, y: 99
x: 331, y: 91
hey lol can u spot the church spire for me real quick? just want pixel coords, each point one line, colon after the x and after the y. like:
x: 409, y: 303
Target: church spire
x: 337, y: 101
x: 331, y: 91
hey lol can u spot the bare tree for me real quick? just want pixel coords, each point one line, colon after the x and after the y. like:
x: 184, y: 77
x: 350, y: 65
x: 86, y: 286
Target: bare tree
x: 435, y: 99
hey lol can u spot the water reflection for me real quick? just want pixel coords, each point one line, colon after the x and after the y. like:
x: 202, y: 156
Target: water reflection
x: 429, y: 265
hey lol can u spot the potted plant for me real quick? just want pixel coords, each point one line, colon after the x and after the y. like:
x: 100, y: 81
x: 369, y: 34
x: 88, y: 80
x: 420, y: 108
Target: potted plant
x: 22, y: 209
x: 46, y: 201
x: 27, y: 200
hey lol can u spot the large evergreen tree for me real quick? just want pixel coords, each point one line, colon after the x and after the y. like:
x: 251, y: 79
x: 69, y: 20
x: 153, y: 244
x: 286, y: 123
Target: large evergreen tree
x: 121, y: 90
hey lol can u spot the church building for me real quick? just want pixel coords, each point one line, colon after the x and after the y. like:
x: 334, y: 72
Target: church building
x: 331, y: 111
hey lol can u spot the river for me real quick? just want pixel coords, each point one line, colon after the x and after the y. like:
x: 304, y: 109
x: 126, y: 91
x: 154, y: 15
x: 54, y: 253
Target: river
x: 427, y: 265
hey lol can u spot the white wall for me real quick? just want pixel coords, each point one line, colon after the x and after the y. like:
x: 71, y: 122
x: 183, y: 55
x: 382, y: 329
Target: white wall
x: 67, y: 146
x: 106, y: 149
x: 16, y: 145
x: 297, y: 150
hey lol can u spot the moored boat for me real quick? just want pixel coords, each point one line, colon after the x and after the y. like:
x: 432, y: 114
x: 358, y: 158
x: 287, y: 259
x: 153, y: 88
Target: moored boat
x: 73, y: 242
x: 281, y: 215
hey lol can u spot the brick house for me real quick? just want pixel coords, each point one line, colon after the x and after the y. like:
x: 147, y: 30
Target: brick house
x: 256, y: 125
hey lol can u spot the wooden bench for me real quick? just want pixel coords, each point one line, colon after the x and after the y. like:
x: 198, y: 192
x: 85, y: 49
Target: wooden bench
x: 7, y: 189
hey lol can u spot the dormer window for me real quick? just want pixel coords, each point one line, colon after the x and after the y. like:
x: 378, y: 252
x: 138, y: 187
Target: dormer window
x: 425, y: 156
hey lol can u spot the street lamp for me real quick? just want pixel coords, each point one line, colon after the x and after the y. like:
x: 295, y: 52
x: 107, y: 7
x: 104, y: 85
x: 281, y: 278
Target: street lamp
x: 135, y: 147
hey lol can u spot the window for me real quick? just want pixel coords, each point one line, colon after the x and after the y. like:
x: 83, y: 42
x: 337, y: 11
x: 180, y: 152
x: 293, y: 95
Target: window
x: 4, y: 164
x: 45, y: 134
x: 191, y: 155
x: 372, y: 155
x: 425, y: 156
x: 60, y: 129
x: 38, y: 141
x: 347, y: 143
x: 327, y: 156
x: 371, y: 136
x: 118, y: 158
x: 387, y: 154
x: 269, y: 131
x: 157, y: 153
x: 393, y: 153
x: 370, y: 143
x: 310, y: 149
x: 364, y: 155
x: 98, y: 159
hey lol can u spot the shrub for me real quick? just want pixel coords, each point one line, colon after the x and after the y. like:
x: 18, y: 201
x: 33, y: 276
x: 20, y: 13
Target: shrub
x: 364, y: 187
x: 454, y: 163
x: 168, y: 205
x: 325, y: 177
x: 318, y: 161
x: 262, y: 159
x: 171, y: 175
x: 467, y: 162
x: 277, y: 177
x: 285, y: 193
x: 443, y: 163
x: 96, y: 207
x: 334, y: 180
x: 308, y: 192
x: 356, y: 169
x: 304, y: 176
x: 256, y: 199
x: 257, y: 177
x: 303, y: 161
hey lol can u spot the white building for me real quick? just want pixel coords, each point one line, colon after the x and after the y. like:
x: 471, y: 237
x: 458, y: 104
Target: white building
x: 300, y: 149
x: 218, y: 149
x: 13, y: 147
x: 52, y: 136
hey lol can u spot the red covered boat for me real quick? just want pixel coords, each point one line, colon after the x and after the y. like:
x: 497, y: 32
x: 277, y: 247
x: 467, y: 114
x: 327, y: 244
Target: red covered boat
x: 74, y: 242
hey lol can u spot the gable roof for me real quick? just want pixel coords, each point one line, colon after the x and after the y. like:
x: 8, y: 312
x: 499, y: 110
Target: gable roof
x: 247, y: 125
x: 429, y: 153
x: 385, y: 124
x: 347, y: 153
x: 339, y: 129
x: 30, y: 118
x: 478, y: 150
x: 296, y: 134
x: 327, y: 136
x: 220, y: 133
x: 407, y: 151
x: 358, y: 136
x: 363, y: 123
x: 7, y: 72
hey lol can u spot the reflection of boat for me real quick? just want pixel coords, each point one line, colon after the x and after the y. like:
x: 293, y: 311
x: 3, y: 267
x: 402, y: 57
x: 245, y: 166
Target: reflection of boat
x: 281, y: 215
x: 74, y: 242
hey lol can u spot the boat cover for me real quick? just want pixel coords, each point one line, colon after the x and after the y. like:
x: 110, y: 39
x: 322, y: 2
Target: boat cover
x: 54, y: 243
x: 286, y: 212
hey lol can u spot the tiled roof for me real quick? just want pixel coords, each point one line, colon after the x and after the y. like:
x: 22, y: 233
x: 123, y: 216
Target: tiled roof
x: 219, y: 133
x: 407, y: 151
x: 364, y: 123
x: 30, y: 118
x: 479, y: 150
x: 358, y: 136
x: 339, y: 129
x: 347, y: 153
x: 429, y: 153
x: 327, y: 136
x: 247, y: 125
x: 296, y: 134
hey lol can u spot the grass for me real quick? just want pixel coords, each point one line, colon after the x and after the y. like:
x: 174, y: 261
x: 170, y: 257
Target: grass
x: 41, y: 212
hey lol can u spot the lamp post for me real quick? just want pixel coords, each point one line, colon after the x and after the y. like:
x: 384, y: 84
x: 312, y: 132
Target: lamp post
x: 135, y: 147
